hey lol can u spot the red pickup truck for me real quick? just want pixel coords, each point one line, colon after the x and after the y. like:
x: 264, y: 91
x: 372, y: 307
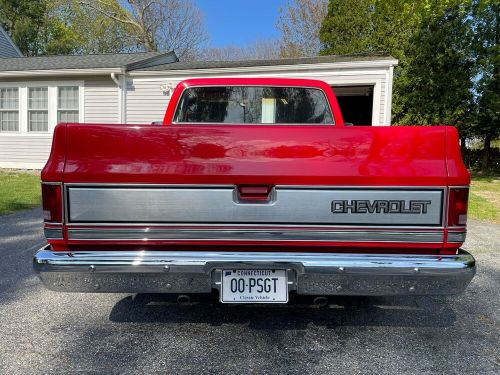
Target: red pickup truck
x: 255, y: 188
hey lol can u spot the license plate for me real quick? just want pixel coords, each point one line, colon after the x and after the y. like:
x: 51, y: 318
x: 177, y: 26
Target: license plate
x: 254, y: 286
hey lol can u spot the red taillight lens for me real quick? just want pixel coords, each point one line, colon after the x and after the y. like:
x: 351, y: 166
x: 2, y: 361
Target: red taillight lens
x: 52, y: 202
x: 457, y: 206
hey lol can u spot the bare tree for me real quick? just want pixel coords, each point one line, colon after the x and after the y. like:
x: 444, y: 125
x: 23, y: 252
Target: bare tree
x: 299, y: 23
x: 264, y: 49
x: 158, y: 25
x: 258, y: 50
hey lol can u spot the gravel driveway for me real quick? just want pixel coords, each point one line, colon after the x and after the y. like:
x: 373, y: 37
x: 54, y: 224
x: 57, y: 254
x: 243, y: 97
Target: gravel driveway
x: 47, y: 332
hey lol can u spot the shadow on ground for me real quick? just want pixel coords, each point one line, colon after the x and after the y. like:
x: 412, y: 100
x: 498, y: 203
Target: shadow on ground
x: 297, y: 314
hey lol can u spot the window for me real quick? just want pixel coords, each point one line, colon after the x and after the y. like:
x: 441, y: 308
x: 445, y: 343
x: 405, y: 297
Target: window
x: 254, y: 105
x: 9, y: 109
x: 67, y: 104
x: 38, y: 109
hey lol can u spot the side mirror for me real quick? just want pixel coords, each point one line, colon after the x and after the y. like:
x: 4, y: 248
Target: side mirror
x: 348, y: 124
x: 157, y: 123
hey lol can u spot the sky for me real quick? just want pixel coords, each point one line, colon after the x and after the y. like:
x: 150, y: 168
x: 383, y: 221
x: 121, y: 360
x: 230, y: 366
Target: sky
x: 240, y: 22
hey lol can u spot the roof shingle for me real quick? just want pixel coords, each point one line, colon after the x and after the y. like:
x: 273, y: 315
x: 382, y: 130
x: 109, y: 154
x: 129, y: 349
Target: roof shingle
x: 155, y: 61
x: 115, y: 60
x: 274, y: 62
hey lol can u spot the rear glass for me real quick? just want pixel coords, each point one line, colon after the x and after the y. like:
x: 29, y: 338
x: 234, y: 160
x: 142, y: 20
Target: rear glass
x: 253, y: 105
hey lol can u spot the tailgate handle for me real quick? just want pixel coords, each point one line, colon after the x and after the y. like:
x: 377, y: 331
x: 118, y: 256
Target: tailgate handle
x: 254, y: 193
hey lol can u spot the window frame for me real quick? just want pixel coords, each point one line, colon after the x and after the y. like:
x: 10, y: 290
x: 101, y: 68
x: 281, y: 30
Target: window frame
x: 67, y: 110
x: 251, y: 124
x: 2, y: 110
x: 30, y: 110
x: 23, y: 86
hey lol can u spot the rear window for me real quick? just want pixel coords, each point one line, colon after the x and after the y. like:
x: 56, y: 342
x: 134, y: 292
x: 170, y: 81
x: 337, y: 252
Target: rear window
x: 253, y: 105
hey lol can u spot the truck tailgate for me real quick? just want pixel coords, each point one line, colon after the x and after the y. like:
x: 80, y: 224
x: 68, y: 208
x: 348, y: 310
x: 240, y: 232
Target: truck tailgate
x: 325, y: 186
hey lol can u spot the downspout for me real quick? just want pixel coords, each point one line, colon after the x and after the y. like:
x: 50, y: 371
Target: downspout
x: 388, y: 93
x: 121, y: 83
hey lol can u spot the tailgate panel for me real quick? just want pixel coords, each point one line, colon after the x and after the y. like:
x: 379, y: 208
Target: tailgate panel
x: 320, y: 206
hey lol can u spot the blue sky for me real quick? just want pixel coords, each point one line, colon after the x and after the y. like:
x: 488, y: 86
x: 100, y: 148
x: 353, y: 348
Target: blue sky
x: 240, y: 22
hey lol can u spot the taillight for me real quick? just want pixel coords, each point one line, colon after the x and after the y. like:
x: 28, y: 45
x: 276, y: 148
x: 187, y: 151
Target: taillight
x: 52, y: 202
x: 457, y: 206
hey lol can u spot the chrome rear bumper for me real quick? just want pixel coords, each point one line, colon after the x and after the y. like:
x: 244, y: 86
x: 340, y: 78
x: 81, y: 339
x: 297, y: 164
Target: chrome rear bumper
x: 200, y: 272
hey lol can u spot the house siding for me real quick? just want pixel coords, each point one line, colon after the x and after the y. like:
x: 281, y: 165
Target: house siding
x: 31, y: 151
x: 101, y: 101
x: 24, y: 151
x: 6, y: 47
x: 146, y: 102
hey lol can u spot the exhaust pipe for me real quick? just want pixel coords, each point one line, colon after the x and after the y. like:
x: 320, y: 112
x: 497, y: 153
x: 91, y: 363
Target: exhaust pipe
x: 320, y: 301
x: 183, y: 299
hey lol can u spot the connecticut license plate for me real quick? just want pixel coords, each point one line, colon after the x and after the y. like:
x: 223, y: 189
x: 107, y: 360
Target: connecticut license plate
x: 254, y: 286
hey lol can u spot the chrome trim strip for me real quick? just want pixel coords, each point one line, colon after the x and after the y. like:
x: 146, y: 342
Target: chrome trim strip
x: 456, y: 237
x: 53, y: 233
x: 231, y: 186
x: 198, y: 271
x: 253, y: 226
x: 143, y: 234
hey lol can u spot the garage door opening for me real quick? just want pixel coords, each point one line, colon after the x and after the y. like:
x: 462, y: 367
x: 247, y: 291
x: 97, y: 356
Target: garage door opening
x: 356, y: 103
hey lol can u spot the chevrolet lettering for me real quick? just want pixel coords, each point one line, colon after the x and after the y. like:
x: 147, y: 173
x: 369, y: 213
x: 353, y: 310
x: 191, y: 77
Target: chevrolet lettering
x: 255, y: 189
x: 380, y: 206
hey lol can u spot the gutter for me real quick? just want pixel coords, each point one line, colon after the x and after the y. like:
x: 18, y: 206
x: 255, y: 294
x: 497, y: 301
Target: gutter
x: 258, y: 69
x: 115, y: 80
x: 56, y: 72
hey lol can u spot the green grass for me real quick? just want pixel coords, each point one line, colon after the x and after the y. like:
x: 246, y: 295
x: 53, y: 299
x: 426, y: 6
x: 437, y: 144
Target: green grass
x: 19, y: 191
x: 484, y: 199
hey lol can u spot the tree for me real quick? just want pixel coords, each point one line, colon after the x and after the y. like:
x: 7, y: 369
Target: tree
x: 60, y: 27
x: 158, y: 25
x: 433, y: 81
x: 90, y: 31
x: 436, y: 85
x: 299, y: 23
x: 355, y: 26
x: 448, y: 53
x: 24, y: 20
x: 258, y: 50
x: 487, y: 31
x: 347, y: 27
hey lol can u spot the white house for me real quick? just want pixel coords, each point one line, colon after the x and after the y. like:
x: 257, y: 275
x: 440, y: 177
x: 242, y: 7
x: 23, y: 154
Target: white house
x: 38, y: 92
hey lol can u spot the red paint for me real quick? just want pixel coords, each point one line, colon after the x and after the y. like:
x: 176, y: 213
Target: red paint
x: 54, y: 168
x: 259, y: 156
x: 378, y: 249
